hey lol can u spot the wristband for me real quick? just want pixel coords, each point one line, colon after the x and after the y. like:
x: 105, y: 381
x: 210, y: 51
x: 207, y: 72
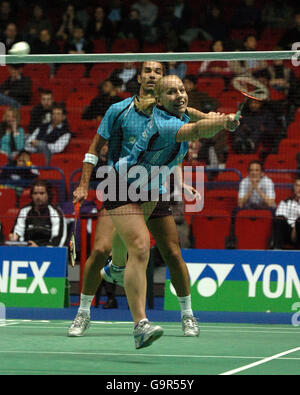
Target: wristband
x: 90, y: 158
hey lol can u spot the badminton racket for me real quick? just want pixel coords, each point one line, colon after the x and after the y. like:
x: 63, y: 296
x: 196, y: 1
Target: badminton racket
x: 251, y: 89
x: 72, y: 243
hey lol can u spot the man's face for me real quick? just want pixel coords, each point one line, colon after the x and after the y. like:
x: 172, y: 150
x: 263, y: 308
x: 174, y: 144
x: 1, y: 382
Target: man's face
x: 46, y: 101
x: 173, y: 96
x: 39, y: 196
x: 78, y: 34
x: 297, y: 188
x: 255, y: 172
x: 11, y: 31
x: 151, y: 72
x: 44, y: 36
x: 14, y: 73
x: 57, y: 116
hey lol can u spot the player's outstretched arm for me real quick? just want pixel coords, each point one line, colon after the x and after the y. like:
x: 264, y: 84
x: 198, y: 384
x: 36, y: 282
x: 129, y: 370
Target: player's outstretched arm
x: 90, y: 160
x: 207, y: 128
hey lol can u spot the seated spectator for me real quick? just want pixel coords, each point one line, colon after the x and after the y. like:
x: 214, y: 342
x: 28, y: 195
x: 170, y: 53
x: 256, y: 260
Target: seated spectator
x: 44, y: 44
x: 256, y: 191
x: 287, y: 220
x: 277, y: 14
x: 50, y: 138
x: 40, y: 223
x: 16, y: 90
x: 199, y: 100
x: 100, y: 27
x: 10, y: 36
x: 12, y: 136
x: 116, y: 13
x: 66, y: 28
x: 292, y: 35
x: 248, y: 67
x: 78, y: 44
x: 7, y: 14
x: 106, y: 97
x: 131, y: 27
x: 128, y: 76
x: 246, y: 16
x: 18, y: 172
x: 38, y: 22
x: 257, y: 125
x: 214, y: 25
x: 216, y: 68
x: 176, y: 68
x: 148, y: 16
x: 42, y: 112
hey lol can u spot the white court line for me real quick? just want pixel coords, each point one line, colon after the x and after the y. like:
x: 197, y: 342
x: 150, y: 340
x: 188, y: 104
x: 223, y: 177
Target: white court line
x: 233, y: 330
x: 265, y: 360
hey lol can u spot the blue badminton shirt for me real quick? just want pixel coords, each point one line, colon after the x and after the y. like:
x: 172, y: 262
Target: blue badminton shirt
x: 122, y: 125
x: 156, y: 147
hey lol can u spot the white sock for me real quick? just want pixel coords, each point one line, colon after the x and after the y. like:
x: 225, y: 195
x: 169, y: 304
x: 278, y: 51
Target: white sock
x: 85, y: 303
x: 185, y: 303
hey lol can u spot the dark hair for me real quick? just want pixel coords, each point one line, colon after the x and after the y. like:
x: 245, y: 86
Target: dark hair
x: 192, y: 78
x: 46, y: 185
x: 60, y: 107
x: 256, y: 162
x: 46, y: 92
x: 141, y: 64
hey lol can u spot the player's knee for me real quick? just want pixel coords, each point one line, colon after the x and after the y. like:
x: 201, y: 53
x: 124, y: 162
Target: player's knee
x: 140, y: 249
x: 102, y: 251
x: 172, y: 255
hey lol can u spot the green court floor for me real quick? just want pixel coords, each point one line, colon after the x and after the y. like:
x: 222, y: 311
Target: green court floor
x: 41, y: 347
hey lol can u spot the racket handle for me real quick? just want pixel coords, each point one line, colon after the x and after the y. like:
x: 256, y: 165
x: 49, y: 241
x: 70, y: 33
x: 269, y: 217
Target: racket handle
x: 76, y: 209
x: 238, y: 115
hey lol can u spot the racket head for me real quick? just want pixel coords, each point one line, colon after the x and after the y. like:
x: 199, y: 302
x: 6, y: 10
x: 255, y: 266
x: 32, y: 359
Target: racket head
x: 251, y: 88
x: 72, y: 250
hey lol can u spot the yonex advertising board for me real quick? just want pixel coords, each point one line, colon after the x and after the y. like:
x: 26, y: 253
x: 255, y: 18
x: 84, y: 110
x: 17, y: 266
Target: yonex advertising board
x: 33, y: 277
x: 240, y: 280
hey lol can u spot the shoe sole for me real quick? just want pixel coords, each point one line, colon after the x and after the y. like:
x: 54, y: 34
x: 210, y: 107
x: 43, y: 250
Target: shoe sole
x: 78, y: 335
x: 155, y: 336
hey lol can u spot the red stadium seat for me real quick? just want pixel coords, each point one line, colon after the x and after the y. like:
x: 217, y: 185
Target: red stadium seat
x: 8, y: 219
x: 124, y: 45
x: 282, y: 194
x: 240, y: 162
x: 276, y: 161
x: 3, y: 159
x: 71, y: 71
x: 7, y: 199
x: 253, y: 229
x: 200, y: 45
x: 37, y: 71
x: 210, y: 228
x: 99, y: 46
x: 212, y: 86
x: 154, y: 47
x: 60, y: 88
x: 230, y: 98
x: 25, y: 116
x: 4, y: 75
x: 225, y: 199
x: 289, y: 146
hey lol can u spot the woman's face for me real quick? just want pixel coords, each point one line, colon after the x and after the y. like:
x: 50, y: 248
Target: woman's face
x: 173, y: 96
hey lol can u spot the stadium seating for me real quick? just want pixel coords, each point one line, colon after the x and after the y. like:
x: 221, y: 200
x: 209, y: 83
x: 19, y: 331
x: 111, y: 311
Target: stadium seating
x: 253, y: 229
x: 7, y: 199
x: 212, y: 86
x: 210, y: 228
x: 8, y: 220
x: 225, y: 199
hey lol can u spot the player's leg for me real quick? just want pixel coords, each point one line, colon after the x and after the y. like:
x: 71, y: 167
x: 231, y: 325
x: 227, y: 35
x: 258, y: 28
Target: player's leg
x: 135, y: 235
x: 91, y: 279
x: 164, y: 231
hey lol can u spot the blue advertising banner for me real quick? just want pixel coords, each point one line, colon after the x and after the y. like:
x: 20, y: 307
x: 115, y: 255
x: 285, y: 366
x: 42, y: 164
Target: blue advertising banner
x: 240, y: 280
x: 33, y: 276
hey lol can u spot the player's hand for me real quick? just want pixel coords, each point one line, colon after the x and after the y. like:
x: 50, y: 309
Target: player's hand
x: 13, y: 237
x: 80, y: 194
x: 231, y: 123
x: 190, y: 192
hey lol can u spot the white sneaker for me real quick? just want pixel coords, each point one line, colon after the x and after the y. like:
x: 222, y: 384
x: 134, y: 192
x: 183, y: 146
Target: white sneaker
x: 113, y: 274
x: 145, y: 334
x: 190, y: 326
x: 80, y: 324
